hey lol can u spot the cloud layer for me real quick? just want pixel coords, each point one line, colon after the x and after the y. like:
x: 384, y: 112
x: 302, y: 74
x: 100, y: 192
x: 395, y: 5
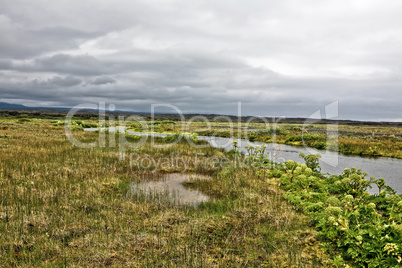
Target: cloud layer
x: 278, y: 58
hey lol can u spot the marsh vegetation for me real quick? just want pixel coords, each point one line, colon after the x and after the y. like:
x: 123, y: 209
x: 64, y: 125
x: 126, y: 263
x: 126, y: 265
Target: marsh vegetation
x: 66, y: 206
x: 62, y: 205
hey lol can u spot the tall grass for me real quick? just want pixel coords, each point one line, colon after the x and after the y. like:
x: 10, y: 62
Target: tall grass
x: 65, y: 206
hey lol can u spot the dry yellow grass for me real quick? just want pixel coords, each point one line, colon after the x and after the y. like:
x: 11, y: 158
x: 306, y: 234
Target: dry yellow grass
x: 65, y: 206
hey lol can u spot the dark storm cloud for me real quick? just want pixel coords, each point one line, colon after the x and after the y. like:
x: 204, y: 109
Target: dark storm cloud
x: 276, y: 57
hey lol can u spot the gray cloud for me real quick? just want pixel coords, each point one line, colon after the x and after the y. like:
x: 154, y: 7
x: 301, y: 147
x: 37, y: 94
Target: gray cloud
x: 62, y: 63
x: 20, y: 42
x: 103, y: 80
x: 57, y: 81
x: 276, y: 57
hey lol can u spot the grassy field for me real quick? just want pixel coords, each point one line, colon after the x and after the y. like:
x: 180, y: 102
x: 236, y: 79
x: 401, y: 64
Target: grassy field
x: 62, y: 205
x: 359, y: 138
x: 65, y: 206
x: 348, y: 139
x: 363, y: 140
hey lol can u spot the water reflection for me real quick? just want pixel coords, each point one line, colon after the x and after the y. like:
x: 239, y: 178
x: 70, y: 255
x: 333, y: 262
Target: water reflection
x: 170, y: 189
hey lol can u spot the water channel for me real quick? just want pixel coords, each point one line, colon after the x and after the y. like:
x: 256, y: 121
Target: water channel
x: 331, y: 162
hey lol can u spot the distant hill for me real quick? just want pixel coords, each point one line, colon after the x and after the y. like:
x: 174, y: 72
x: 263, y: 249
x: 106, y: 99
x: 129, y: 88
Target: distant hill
x: 15, y: 109
x: 10, y: 106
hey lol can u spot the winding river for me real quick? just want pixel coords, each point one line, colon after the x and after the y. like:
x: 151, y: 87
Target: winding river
x: 331, y: 162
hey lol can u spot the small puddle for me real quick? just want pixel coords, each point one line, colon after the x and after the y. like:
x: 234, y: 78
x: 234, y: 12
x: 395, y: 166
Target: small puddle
x: 170, y: 189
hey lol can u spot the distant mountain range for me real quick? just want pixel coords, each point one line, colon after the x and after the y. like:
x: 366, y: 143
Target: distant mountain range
x: 11, y: 106
x: 18, y: 108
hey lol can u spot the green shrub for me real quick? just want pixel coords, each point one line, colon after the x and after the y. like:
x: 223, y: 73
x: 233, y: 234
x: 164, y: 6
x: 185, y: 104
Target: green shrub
x: 353, y: 226
x: 320, y: 145
x: 312, y: 161
x: 276, y: 173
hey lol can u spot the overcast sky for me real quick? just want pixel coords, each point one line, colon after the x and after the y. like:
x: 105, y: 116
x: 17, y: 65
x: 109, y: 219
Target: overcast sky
x: 278, y: 58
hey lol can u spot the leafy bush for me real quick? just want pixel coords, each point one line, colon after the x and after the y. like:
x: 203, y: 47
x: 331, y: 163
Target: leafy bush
x: 320, y: 145
x: 363, y: 229
x: 276, y: 173
x: 312, y: 161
